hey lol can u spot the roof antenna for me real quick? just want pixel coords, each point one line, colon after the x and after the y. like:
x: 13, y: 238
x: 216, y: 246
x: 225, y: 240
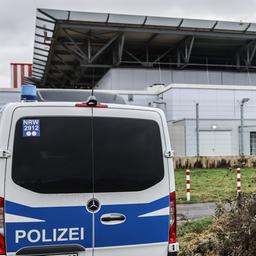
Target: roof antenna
x: 92, y: 99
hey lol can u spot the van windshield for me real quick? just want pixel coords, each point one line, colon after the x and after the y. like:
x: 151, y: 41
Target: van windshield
x: 66, y: 154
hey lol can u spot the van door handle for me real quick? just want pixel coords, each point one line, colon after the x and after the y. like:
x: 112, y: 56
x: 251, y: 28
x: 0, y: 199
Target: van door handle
x: 112, y: 218
x: 107, y: 219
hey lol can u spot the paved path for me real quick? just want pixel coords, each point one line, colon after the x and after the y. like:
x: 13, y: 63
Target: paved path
x: 195, y: 211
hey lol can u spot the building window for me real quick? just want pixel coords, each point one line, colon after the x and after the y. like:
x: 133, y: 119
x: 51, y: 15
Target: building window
x: 253, y: 143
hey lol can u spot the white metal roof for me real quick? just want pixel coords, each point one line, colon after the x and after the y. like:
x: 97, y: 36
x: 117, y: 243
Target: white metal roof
x: 141, y: 20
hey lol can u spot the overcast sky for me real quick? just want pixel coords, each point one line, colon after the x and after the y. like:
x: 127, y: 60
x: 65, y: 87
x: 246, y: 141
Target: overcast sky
x: 17, y: 19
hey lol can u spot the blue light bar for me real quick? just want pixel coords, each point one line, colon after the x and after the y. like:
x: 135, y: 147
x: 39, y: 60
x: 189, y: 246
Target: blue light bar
x: 28, y: 92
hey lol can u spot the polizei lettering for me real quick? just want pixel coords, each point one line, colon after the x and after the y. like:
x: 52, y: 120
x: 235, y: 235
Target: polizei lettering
x: 46, y: 236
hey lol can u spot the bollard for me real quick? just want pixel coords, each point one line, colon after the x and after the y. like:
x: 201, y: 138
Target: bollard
x: 188, y: 184
x: 238, y: 180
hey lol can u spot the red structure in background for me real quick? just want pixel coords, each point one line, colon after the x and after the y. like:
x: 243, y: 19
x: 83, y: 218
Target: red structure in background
x: 18, y: 73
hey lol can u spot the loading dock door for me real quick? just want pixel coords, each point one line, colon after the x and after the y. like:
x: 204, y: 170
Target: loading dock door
x: 215, y: 143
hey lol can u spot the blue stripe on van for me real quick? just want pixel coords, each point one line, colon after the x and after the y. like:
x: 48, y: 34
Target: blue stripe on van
x: 135, y: 230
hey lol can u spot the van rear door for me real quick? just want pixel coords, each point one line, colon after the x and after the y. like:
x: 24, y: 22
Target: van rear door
x: 49, y: 181
x: 131, y: 186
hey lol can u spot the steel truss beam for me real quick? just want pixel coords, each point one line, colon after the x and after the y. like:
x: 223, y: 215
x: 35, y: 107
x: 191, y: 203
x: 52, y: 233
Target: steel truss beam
x: 97, y: 53
x: 78, y: 51
x: 57, y: 69
x: 91, y: 63
x: 120, y: 49
x: 163, y: 55
x: 96, y: 66
x: 133, y: 57
x: 151, y: 39
x: 246, y: 54
x: 103, y: 48
x: 250, y: 53
x: 186, y: 45
x: 192, y: 64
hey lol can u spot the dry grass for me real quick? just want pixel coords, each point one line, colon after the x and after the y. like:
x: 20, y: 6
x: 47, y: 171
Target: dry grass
x: 196, y: 238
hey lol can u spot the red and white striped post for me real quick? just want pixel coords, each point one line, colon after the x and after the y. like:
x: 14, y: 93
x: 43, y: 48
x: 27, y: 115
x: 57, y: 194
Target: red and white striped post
x: 188, y: 184
x: 18, y: 73
x: 238, y: 180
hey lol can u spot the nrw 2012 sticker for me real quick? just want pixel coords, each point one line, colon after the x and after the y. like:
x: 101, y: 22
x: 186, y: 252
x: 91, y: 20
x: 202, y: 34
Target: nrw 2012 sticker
x: 31, y: 127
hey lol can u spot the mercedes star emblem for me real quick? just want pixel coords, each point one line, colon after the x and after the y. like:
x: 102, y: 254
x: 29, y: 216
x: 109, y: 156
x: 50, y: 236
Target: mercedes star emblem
x: 93, y: 205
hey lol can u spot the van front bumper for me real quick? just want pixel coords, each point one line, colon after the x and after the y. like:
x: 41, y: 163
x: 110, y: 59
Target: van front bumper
x: 173, y: 249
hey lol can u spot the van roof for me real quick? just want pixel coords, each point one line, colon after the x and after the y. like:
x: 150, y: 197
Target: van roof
x: 14, y: 105
x: 74, y: 95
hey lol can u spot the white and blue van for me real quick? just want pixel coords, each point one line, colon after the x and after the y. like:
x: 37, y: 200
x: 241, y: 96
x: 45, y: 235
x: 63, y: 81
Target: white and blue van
x: 85, y: 179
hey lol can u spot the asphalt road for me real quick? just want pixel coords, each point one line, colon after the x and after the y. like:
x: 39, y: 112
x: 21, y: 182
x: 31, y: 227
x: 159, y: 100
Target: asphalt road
x: 195, y: 211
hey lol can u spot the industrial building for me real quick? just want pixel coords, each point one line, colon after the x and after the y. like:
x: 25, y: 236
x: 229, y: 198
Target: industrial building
x: 200, y: 72
x: 219, y: 109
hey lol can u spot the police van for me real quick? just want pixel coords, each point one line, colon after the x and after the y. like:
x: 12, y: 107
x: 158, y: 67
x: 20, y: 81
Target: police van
x: 85, y: 179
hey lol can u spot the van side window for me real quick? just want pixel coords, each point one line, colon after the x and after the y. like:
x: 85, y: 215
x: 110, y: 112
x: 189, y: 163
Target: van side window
x: 57, y: 161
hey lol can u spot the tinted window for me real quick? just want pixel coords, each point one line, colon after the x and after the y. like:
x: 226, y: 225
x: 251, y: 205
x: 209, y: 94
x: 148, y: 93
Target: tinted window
x: 58, y: 159
x: 128, y: 154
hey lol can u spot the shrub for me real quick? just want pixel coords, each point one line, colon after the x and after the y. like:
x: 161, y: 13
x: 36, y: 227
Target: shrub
x: 235, y: 226
x: 232, y: 233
